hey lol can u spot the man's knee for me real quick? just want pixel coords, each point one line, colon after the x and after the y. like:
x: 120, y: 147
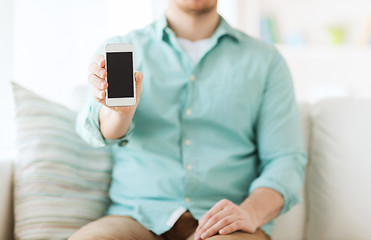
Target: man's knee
x: 258, y: 235
x: 90, y: 235
x: 100, y: 235
x: 113, y: 228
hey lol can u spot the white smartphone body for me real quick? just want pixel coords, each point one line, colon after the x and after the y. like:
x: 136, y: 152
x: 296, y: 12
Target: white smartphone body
x: 120, y: 75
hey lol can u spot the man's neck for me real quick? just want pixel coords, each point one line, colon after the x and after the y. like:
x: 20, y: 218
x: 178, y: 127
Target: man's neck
x: 192, y: 26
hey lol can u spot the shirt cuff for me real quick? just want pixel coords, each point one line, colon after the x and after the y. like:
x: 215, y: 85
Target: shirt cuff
x: 90, y: 128
x: 290, y: 200
x: 123, y: 140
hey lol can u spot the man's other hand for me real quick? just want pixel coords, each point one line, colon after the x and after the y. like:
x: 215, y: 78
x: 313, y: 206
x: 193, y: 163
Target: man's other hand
x: 225, y: 217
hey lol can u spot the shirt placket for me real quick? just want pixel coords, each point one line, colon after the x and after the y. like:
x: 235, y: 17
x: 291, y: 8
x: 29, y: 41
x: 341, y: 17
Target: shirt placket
x: 188, y: 144
x: 187, y: 141
x: 187, y: 132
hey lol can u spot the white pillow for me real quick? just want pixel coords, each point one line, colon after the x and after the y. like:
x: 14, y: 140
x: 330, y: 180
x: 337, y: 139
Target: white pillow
x: 60, y: 183
x: 339, y: 177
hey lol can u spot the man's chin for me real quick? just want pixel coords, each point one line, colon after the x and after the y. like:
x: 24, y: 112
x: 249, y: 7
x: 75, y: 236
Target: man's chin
x: 198, y: 11
x: 197, y: 7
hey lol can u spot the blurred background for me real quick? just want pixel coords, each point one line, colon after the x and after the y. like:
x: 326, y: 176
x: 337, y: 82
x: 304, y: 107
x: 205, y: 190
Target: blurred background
x: 46, y: 45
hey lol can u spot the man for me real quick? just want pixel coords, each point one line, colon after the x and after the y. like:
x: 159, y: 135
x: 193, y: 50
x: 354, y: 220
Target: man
x: 213, y: 149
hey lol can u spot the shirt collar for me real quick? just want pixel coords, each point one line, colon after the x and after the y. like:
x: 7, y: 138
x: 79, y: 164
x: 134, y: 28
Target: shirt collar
x: 223, y: 29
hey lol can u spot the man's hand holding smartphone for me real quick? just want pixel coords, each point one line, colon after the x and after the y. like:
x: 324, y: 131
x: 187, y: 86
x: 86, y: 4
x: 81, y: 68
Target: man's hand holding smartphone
x: 114, y: 120
x: 97, y: 76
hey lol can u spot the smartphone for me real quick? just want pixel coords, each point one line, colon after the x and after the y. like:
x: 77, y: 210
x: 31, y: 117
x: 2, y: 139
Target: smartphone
x: 120, y: 75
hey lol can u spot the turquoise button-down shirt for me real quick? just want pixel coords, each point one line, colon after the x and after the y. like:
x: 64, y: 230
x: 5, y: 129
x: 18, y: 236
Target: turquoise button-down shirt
x: 202, y: 132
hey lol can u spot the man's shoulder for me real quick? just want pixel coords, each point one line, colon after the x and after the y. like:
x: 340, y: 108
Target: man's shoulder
x: 253, y: 43
x: 251, y: 47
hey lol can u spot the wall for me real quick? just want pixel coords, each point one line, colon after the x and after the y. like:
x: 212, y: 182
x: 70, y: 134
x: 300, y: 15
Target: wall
x: 6, y: 133
x: 55, y: 41
x: 322, y: 71
x: 314, y: 18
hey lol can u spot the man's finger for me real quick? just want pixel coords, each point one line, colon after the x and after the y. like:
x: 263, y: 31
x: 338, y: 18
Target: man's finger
x: 138, y: 78
x: 101, y: 101
x: 216, y: 208
x: 218, y: 226
x: 100, y: 72
x: 97, y: 82
x: 98, y: 94
x: 234, y: 226
x: 213, y: 220
x: 100, y: 61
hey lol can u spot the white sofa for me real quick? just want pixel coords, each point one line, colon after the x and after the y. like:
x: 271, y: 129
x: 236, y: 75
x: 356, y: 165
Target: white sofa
x: 337, y: 191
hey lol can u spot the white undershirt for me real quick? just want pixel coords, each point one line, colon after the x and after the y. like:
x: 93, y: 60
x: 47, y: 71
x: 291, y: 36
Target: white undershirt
x: 196, y: 49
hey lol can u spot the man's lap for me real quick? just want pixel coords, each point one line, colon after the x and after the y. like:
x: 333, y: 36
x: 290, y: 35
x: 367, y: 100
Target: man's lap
x: 126, y: 228
x: 113, y: 228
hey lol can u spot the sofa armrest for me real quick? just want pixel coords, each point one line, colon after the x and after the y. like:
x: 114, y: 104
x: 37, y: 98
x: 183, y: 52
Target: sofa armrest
x: 6, y: 208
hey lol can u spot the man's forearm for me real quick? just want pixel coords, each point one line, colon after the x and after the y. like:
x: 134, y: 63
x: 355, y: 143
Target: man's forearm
x: 264, y: 204
x: 113, y: 124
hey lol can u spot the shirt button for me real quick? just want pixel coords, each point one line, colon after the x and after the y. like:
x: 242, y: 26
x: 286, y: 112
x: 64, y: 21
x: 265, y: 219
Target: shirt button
x: 188, y: 112
x: 187, y: 142
x: 192, y: 78
x: 189, y: 167
x: 123, y: 143
x: 187, y: 200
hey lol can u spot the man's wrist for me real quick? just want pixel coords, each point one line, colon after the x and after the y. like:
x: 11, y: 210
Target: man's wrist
x: 248, y: 206
x: 263, y: 204
x: 113, y: 124
x: 107, y: 111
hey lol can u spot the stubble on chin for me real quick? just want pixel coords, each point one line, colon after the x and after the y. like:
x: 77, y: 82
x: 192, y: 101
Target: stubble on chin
x: 196, y: 11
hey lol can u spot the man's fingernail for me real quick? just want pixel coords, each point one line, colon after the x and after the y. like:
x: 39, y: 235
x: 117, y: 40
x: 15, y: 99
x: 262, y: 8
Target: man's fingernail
x: 101, y: 73
x: 102, y: 85
x: 203, y: 235
x: 197, y: 237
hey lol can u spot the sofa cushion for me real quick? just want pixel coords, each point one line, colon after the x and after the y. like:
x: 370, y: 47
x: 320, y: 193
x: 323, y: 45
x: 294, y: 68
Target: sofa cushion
x: 339, y: 172
x: 60, y: 183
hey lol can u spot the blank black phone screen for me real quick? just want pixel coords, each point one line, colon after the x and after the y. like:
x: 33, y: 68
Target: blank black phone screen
x: 120, y: 74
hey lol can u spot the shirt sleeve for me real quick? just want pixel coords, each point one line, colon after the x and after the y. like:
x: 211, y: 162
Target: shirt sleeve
x: 88, y: 127
x: 279, y: 136
x: 87, y: 122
